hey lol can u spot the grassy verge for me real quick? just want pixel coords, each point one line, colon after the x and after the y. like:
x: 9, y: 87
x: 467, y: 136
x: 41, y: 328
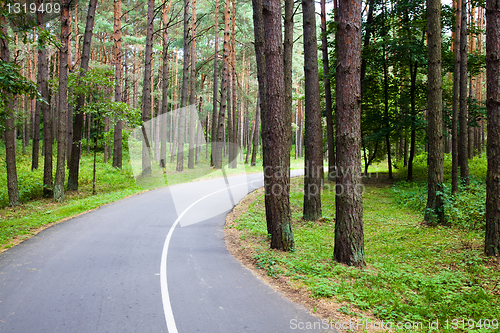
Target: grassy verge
x: 415, y: 274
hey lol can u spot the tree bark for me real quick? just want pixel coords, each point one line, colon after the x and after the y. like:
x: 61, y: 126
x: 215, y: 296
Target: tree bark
x: 255, y: 132
x: 275, y: 137
x: 312, y: 137
x: 117, y: 135
x: 192, y: 96
x: 164, y: 89
x: 215, y: 116
x: 463, y: 135
x: 456, y: 99
x: 435, y: 209
x: 10, y: 137
x: 260, y: 58
x: 288, y: 60
x: 413, y: 130
x: 146, y: 93
x: 48, y: 139
x: 63, y: 104
x: 386, y: 110
x: 184, y: 91
x: 328, y: 96
x: 349, y: 238
x: 41, y: 80
x: 492, y: 235
x: 224, y: 87
x: 74, y: 165
x: 234, y: 161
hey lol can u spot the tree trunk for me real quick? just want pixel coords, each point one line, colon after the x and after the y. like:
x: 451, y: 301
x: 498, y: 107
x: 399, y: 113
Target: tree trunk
x: 164, y: 89
x: 41, y: 80
x: 288, y: 60
x: 275, y: 137
x: 328, y: 96
x: 313, y: 138
x: 146, y: 93
x: 492, y: 235
x: 224, y: 86
x: 255, y: 137
x: 463, y: 135
x: 48, y: 139
x: 215, y: 120
x: 230, y: 117
x: 349, y: 238
x: 413, y: 90
x: 74, y: 165
x: 184, y: 91
x: 192, y: 97
x: 435, y: 208
x: 386, y: 111
x: 10, y: 137
x: 63, y: 104
x: 234, y: 162
x: 259, y: 32
x: 117, y: 135
x: 456, y: 99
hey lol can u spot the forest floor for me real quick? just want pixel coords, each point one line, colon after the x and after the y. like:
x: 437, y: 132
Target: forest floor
x: 418, y: 278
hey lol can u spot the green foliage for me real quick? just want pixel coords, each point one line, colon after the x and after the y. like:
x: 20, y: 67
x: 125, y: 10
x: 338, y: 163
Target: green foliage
x: 466, y: 209
x: 12, y: 83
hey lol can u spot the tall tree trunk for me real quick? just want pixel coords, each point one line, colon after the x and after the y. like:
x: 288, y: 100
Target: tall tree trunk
x: 146, y: 93
x: 463, y: 135
x: 413, y: 90
x: 192, y: 96
x: 255, y: 137
x: 184, y: 91
x: 41, y: 80
x: 275, y: 139
x: 492, y: 235
x: 435, y: 208
x: 386, y: 109
x: 63, y: 103
x: 313, y: 138
x: 74, y: 165
x: 288, y: 60
x: 456, y: 98
x: 215, y: 116
x: 164, y: 89
x: 230, y: 117
x: 234, y: 111
x: 259, y: 44
x: 117, y: 135
x: 48, y: 140
x: 328, y: 96
x: 10, y: 137
x: 349, y: 238
x: 224, y: 87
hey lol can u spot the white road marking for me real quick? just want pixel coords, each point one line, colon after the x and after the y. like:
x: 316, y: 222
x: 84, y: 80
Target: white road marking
x: 167, y: 306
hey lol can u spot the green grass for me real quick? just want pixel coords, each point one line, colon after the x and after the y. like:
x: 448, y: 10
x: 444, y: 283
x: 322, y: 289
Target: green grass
x: 414, y: 273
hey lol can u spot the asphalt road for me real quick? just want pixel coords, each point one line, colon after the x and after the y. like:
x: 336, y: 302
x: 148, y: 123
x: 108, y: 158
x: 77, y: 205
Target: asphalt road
x: 155, y: 262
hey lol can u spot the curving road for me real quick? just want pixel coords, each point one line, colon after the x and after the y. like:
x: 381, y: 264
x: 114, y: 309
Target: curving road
x: 155, y: 262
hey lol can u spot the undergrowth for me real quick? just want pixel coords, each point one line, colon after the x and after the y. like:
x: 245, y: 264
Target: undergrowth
x: 465, y: 209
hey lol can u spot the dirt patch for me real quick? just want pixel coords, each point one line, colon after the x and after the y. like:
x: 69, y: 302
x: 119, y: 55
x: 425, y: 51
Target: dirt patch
x: 241, y: 246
